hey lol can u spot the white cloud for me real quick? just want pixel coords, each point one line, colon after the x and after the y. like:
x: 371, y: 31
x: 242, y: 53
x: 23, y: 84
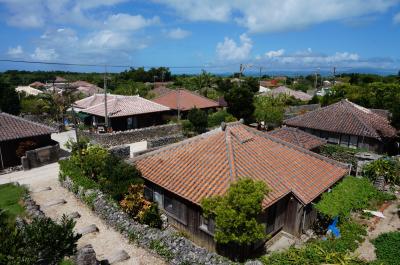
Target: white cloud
x: 43, y: 54
x: 178, y: 33
x: 15, y: 51
x: 107, y: 39
x: 229, y: 50
x: 276, y: 53
x: 396, y: 18
x: 128, y: 22
x: 272, y: 15
x: 194, y: 10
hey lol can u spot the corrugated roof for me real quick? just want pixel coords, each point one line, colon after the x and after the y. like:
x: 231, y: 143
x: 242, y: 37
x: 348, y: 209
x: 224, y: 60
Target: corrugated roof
x: 298, y: 137
x: 14, y: 127
x: 345, y: 117
x: 185, y: 100
x: 118, y: 106
x: 205, y: 165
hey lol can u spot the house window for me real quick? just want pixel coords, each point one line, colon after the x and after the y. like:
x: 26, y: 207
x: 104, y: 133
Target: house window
x: 158, y: 198
x: 353, y: 141
x: 176, y: 209
x: 333, y: 138
x: 129, y: 123
x: 344, y: 140
x: 207, y: 225
x: 148, y: 194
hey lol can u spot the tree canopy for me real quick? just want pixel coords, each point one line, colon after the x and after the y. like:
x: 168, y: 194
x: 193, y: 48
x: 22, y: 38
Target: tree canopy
x: 236, y: 212
x: 269, y: 109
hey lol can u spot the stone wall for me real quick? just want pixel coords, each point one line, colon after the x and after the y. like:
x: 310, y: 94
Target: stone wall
x: 40, y: 156
x: 167, y: 243
x: 165, y: 140
x: 121, y: 151
x: 132, y: 136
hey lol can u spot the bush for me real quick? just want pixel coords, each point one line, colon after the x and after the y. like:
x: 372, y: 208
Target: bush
x: 198, y: 118
x: 117, y: 176
x: 71, y: 168
x: 340, y: 153
x: 134, y: 202
x: 187, y: 127
x: 215, y: 119
x: 151, y: 216
x: 40, y: 242
x: 236, y: 213
x: 350, y: 194
x: 388, y: 248
x: 384, y: 167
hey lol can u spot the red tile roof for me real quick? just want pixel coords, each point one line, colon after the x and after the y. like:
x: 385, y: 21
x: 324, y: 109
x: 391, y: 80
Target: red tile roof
x: 185, y: 100
x: 290, y: 92
x: 160, y: 91
x: 345, y: 117
x: 298, y: 137
x: 118, y: 106
x: 205, y: 165
x: 37, y: 84
x: 14, y: 127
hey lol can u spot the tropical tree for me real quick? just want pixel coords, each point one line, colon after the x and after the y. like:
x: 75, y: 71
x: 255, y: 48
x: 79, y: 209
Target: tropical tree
x: 236, y: 213
x: 269, y: 110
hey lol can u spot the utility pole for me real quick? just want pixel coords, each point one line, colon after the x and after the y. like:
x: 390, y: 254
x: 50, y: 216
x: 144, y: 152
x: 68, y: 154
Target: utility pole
x: 334, y: 75
x: 178, y: 104
x: 105, y: 97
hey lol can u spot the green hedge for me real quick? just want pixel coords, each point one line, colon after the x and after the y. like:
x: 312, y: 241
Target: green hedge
x: 387, y: 248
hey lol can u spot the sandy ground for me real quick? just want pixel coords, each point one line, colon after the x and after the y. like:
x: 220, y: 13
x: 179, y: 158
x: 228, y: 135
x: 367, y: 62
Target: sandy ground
x: 106, y: 242
x: 390, y: 223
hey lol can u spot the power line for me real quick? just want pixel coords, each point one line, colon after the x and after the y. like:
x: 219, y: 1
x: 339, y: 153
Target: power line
x: 115, y: 66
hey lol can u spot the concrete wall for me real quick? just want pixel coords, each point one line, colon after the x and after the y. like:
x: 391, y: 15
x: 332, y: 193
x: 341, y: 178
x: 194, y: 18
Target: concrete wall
x: 132, y: 136
x: 40, y: 156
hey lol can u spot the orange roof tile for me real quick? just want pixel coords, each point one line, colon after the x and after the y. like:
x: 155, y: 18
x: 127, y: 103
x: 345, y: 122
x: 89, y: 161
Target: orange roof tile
x: 205, y: 165
x: 345, y: 117
x: 185, y: 100
x: 298, y: 137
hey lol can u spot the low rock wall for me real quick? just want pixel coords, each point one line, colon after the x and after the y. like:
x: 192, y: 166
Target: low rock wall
x: 121, y: 151
x: 132, y: 136
x: 165, y: 140
x: 167, y: 243
x: 40, y: 156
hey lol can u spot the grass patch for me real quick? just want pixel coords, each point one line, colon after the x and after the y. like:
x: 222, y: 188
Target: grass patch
x: 387, y: 248
x: 10, y: 196
x: 161, y: 250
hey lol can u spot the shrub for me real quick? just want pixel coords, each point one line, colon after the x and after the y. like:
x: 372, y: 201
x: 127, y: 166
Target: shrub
x: 71, y: 168
x: 385, y: 167
x: 151, y: 216
x: 387, y: 247
x: 198, y: 118
x: 340, y: 153
x: 134, y: 202
x: 93, y: 161
x: 236, y: 212
x: 187, y: 127
x: 117, y: 176
x: 40, y: 242
x: 350, y: 194
x: 216, y: 118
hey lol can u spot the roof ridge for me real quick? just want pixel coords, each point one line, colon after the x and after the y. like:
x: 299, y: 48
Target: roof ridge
x: 230, y: 156
x: 197, y: 94
x: 349, y: 105
x: 25, y: 120
x: 150, y: 101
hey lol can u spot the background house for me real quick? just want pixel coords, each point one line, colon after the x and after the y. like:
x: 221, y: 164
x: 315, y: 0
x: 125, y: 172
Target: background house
x: 178, y: 176
x: 283, y: 90
x: 16, y: 132
x: 124, y: 112
x: 298, y: 137
x: 349, y: 125
x: 185, y: 100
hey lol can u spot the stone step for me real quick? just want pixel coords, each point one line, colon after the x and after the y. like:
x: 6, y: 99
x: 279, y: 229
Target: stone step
x: 74, y: 215
x: 41, y: 189
x: 118, y: 256
x: 56, y: 202
x: 88, y: 229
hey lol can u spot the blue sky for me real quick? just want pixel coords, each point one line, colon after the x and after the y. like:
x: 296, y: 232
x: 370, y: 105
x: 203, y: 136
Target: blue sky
x: 217, y: 35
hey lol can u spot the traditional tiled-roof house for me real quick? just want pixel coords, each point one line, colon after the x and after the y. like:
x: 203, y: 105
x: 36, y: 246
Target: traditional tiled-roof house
x: 298, y: 137
x: 15, y: 130
x: 124, y: 112
x: 283, y: 90
x: 178, y: 176
x: 184, y: 100
x: 349, y: 125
